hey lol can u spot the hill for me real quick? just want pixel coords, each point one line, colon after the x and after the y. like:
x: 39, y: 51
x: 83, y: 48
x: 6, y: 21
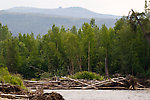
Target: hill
x: 27, y: 20
x: 67, y: 12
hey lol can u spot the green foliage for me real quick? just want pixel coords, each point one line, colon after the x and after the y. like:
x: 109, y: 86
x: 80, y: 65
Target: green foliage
x: 6, y: 77
x: 87, y: 75
x: 4, y: 32
x: 67, y: 51
x: 45, y: 75
x: 148, y: 73
x: 92, y: 22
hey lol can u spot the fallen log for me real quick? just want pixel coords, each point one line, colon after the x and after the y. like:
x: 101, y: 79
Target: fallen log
x: 113, y: 88
x: 140, y: 85
x: 83, y: 83
x: 13, y: 96
x: 108, y: 82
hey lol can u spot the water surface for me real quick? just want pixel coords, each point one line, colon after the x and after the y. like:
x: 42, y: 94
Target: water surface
x: 103, y: 94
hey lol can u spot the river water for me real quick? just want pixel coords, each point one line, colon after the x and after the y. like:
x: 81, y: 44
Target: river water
x: 103, y: 94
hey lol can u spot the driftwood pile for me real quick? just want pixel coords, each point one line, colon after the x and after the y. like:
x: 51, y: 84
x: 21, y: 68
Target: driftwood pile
x: 12, y: 91
x: 15, y: 92
x: 40, y: 95
x: 67, y: 83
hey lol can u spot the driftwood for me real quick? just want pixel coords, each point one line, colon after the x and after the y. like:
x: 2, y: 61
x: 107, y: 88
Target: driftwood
x: 119, y: 83
x: 40, y: 95
x: 11, y: 89
x: 83, y: 83
x: 68, y: 83
x: 13, y: 96
x: 15, y: 92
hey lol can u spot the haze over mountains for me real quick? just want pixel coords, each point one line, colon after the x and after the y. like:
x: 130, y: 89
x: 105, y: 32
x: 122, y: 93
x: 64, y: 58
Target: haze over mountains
x: 76, y: 12
x: 39, y: 21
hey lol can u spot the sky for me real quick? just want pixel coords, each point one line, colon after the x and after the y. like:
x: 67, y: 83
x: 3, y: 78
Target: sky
x: 115, y: 7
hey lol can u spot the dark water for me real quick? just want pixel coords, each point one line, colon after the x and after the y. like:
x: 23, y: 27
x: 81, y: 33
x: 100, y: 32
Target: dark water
x: 103, y: 94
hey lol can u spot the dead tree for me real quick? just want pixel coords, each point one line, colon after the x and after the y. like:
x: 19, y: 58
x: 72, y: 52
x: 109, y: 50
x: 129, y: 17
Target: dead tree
x: 136, y: 17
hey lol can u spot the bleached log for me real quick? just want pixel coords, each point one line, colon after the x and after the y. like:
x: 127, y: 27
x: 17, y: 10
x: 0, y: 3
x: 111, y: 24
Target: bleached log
x: 13, y: 96
x: 88, y: 85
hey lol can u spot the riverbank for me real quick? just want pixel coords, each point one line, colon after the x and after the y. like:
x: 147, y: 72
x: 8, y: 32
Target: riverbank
x: 81, y: 89
x: 100, y: 94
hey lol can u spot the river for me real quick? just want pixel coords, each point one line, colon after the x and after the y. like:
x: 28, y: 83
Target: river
x: 103, y: 94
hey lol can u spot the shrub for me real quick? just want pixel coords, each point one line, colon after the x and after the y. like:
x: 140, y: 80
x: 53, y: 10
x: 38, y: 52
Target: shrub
x: 45, y: 75
x: 6, y: 77
x: 33, y: 79
x: 87, y: 75
x: 3, y: 71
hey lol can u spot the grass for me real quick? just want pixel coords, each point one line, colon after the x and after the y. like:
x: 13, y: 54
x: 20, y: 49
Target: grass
x: 6, y: 77
x: 87, y: 75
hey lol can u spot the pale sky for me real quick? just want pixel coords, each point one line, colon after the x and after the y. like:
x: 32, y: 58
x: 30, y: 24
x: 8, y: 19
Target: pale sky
x: 116, y: 7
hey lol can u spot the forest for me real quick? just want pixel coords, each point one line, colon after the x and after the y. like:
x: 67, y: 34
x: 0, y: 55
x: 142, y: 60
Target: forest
x: 123, y: 49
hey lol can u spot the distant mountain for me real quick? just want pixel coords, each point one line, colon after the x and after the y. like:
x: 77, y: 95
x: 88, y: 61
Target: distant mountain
x: 27, y: 20
x: 66, y: 12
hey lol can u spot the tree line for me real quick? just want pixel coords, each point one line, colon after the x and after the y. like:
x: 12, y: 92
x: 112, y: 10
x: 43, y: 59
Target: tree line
x: 122, y: 49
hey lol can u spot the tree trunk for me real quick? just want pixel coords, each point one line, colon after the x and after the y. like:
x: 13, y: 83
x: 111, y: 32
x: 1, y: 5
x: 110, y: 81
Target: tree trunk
x: 79, y: 63
x: 106, y: 65
x: 89, y: 57
x: 72, y: 68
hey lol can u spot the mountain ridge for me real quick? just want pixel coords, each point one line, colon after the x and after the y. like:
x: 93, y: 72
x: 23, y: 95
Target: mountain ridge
x: 40, y: 22
x: 66, y: 12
